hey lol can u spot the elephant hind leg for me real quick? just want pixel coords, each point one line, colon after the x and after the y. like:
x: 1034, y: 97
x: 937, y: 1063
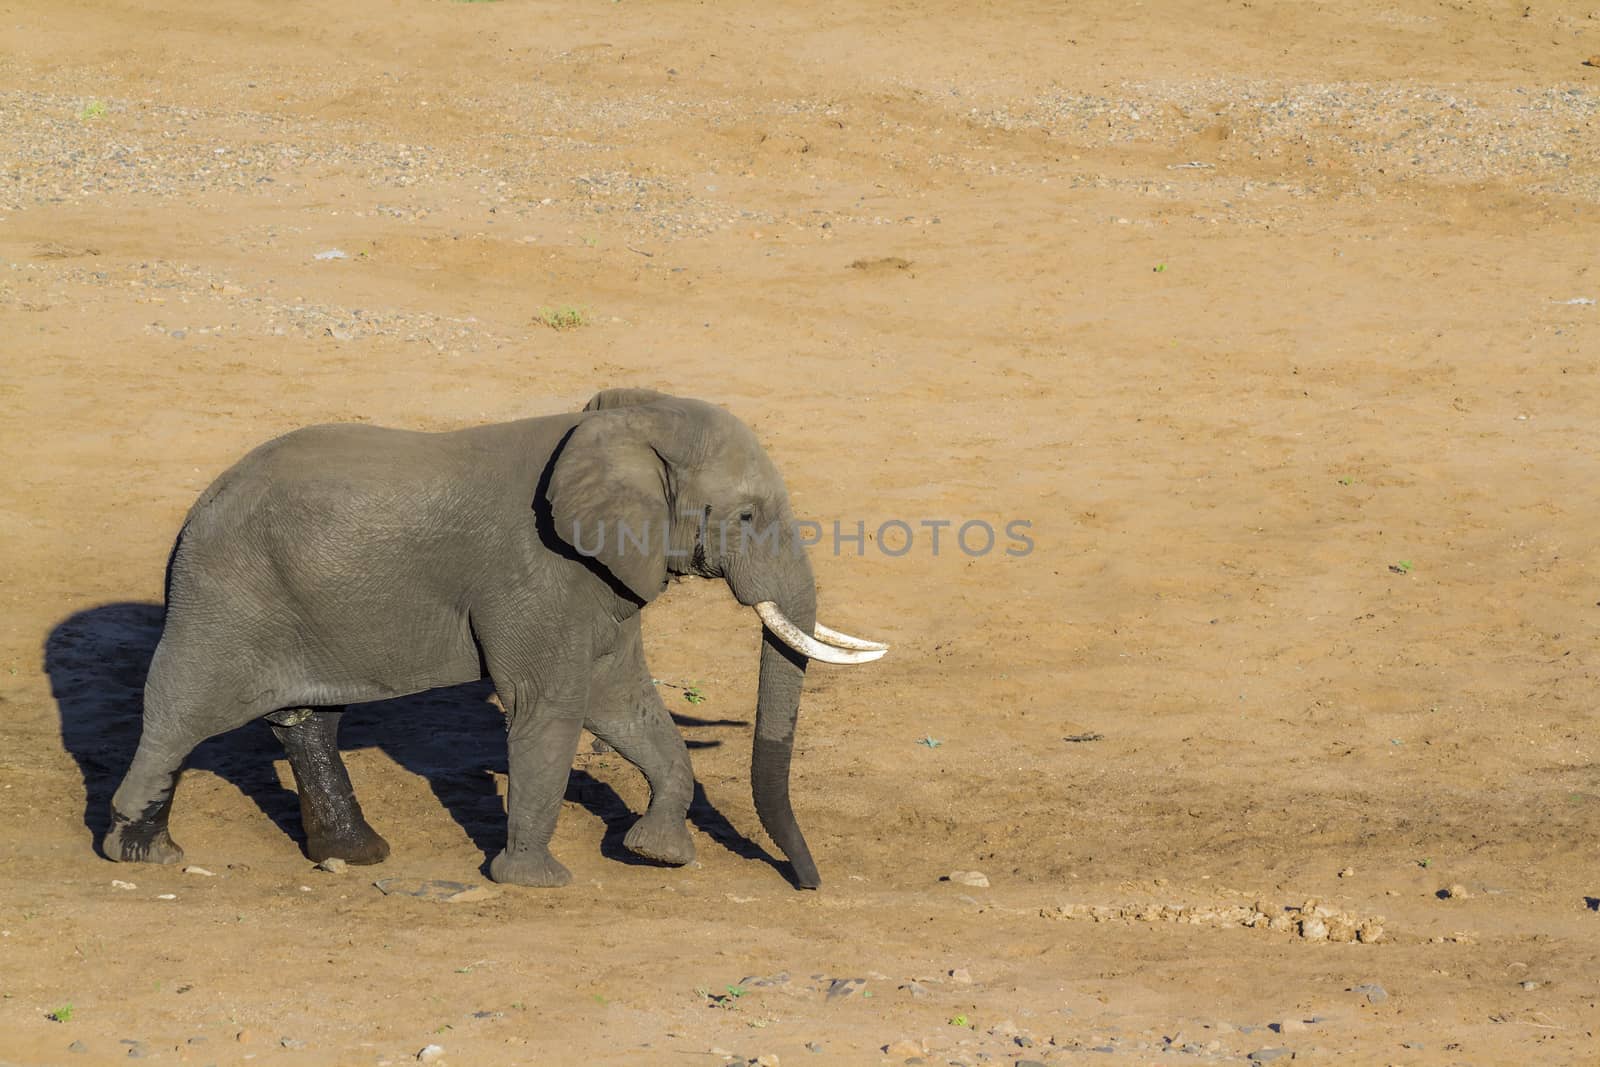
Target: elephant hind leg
x: 329, y: 812
x: 142, y: 804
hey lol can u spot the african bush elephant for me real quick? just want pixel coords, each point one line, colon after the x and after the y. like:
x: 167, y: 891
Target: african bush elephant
x: 349, y: 563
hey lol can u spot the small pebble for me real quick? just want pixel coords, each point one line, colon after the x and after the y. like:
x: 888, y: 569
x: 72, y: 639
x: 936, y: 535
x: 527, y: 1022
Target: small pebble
x: 291, y: 1042
x: 333, y: 865
x: 840, y: 988
x: 244, y: 1037
x: 916, y: 989
x: 961, y: 976
x: 1454, y: 892
x: 1530, y: 986
x: 192, y: 869
x: 903, y: 1049
x: 766, y: 1059
x: 77, y: 1046
x: 1291, y: 1026
x: 1267, y: 1055
x: 166, y: 896
x: 118, y: 883
x: 976, y: 879
x: 1348, y: 872
x: 430, y: 1054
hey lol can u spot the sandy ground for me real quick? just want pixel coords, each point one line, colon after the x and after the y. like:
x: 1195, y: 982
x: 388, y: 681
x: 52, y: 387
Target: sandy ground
x: 1275, y: 320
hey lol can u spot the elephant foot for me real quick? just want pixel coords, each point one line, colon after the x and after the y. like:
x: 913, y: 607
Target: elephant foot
x: 665, y: 840
x: 360, y: 845
x: 132, y: 842
x: 535, y: 868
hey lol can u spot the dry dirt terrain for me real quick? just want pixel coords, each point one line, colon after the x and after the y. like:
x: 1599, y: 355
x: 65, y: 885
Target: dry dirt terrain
x: 1276, y: 320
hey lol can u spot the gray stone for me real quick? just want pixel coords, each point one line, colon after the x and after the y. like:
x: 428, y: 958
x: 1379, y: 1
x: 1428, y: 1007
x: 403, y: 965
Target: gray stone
x: 77, y: 1046
x: 1268, y: 1055
x: 840, y: 988
x: 1374, y: 992
x: 430, y: 1054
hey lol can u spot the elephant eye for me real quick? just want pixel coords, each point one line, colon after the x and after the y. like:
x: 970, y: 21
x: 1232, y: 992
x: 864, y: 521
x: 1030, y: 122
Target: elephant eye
x: 747, y: 516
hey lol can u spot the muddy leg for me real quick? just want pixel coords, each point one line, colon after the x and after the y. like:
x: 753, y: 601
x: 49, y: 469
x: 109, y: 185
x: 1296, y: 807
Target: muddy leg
x: 143, y: 802
x: 329, y: 811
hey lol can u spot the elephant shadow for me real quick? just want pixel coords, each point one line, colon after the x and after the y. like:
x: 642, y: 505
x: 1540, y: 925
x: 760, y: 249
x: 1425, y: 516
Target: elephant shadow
x: 454, y: 738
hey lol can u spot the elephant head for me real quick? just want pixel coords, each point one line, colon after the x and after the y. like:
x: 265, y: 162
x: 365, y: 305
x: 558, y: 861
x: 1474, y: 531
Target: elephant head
x: 650, y: 487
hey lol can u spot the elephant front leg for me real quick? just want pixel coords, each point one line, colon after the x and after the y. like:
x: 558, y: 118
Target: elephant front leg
x: 542, y: 740
x: 643, y: 733
x: 329, y: 811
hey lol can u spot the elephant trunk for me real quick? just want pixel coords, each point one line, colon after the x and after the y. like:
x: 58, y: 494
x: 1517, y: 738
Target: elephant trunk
x: 777, y: 708
x: 783, y: 673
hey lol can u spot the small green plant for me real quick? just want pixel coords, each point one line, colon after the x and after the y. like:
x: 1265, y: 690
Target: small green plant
x: 1344, y: 481
x: 693, y: 694
x: 561, y: 318
x: 958, y: 1020
x: 94, y: 109
x: 1160, y: 268
x: 929, y: 742
x: 736, y: 992
x: 1402, y: 567
x: 1424, y: 863
x: 62, y: 1014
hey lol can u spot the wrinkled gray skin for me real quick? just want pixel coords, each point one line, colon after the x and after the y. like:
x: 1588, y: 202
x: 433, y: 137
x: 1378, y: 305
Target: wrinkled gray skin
x: 341, y: 564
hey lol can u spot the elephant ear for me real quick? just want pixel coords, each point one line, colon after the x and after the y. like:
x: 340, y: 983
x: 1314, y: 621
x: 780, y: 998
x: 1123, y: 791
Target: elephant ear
x: 607, y: 497
x: 623, y: 398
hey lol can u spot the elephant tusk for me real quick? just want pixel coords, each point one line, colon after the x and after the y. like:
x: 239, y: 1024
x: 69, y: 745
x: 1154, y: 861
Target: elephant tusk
x: 839, y: 640
x: 804, y: 643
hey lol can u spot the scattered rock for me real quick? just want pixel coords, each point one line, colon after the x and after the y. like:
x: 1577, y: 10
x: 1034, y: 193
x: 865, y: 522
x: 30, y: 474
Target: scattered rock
x: 977, y: 879
x: 77, y: 1046
x: 435, y: 889
x: 332, y: 865
x: 1291, y: 1026
x: 245, y: 1036
x: 1374, y: 992
x: 166, y: 896
x: 430, y: 1054
x: 764, y: 982
x: 766, y: 1059
x: 1267, y: 1055
x: 1348, y: 872
x: 291, y: 1042
x: 812, y: 1046
x: 1454, y: 892
x: 1312, y: 920
x: 1030, y: 1063
x: 201, y: 871
x: 916, y: 989
x: 1530, y: 986
x: 840, y: 988
x: 118, y: 883
x: 961, y: 976
x: 904, y: 1049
